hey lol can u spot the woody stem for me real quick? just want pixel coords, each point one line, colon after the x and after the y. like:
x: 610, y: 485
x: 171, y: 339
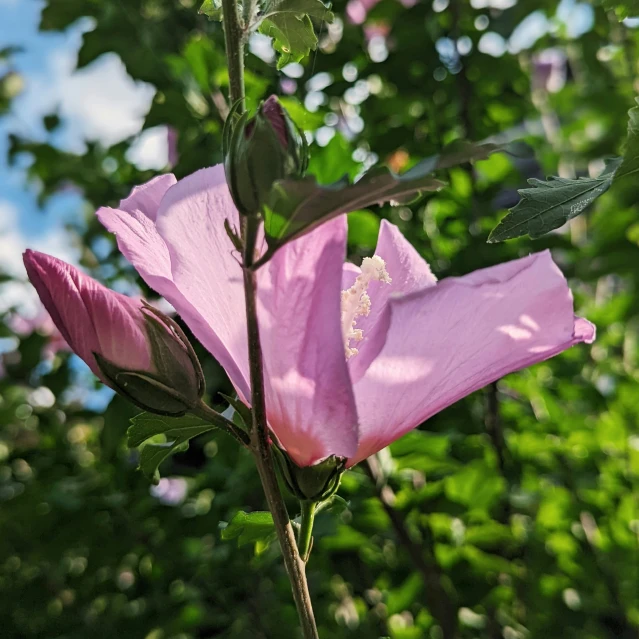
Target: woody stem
x: 260, y: 444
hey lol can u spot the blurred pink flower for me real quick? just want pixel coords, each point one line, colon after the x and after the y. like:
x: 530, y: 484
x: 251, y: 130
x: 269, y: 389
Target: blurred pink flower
x: 353, y: 357
x: 357, y: 10
x: 171, y: 491
x: 172, y: 142
x: 42, y: 324
x: 376, y: 30
x: 550, y: 70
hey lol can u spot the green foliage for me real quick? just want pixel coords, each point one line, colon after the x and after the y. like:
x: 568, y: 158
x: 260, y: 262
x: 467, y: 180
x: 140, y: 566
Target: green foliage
x: 550, y: 453
x: 212, y: 9
x: 289, y: 23
x: 146, y: 425
x: 178, y: 430
x: 550, y: 204
x: 630, y: 163
x: 623, y: 9
x: 250, y: 528
x: 297, y: 206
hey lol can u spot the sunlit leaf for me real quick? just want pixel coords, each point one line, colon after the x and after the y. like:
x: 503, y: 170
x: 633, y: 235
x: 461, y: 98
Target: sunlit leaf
x: 288, y: 22
x: 249, y: 528
x: 550, y: 204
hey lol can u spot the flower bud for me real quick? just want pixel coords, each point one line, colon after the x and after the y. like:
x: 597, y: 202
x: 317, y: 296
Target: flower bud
x: 129, y: 345
x: 311, y: 483
x: 260, y: 151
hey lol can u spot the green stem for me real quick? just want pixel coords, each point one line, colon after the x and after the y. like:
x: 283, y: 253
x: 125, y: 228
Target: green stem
x: 234, y: 41
x: 260, y: 445
x: 305, y: 537
x: 213, y: 417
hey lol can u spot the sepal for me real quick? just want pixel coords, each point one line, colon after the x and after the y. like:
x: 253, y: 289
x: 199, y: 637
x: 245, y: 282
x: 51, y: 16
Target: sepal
x: 311, y: 483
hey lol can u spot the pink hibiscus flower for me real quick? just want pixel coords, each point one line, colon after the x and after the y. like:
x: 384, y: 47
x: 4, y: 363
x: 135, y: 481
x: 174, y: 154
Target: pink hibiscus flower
x: 354, y: 357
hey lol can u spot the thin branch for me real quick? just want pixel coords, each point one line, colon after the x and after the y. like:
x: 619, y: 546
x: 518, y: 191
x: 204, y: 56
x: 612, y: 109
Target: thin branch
x: 423, y: 556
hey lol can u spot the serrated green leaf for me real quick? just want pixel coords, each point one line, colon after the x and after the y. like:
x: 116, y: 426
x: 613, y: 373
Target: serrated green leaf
x: 212, y: 9
x: 152, y: 455
x: 288, y: 22
x: 550, y: 204
x: 147, y: 425
x: 297, y: 206
x: 630, y: 162
x: 250, y: 528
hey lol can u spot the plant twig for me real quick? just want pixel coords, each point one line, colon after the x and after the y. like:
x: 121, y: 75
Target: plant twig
x: 234, y: 41
x: 234, y: 36
x: 261, y: 446
x: 443, y: 608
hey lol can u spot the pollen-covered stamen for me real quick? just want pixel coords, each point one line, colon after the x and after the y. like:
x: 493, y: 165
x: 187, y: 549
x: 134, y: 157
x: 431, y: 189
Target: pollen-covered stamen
x: 357, y: 303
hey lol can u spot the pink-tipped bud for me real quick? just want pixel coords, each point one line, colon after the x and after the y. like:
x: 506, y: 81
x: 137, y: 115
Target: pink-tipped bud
x: 129, y: 345
x: 259, y: 151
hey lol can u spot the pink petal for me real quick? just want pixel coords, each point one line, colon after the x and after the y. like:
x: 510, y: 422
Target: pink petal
x: 90, y: 317
x: 452, y: 339
x: 146, y: 198
x: 310, y: 403
x: 409, y: 272
x: 186, y: 256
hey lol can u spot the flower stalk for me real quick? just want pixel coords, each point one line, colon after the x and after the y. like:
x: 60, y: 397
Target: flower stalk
x: 305, y: 536
x: 259, y: 439
x: 234, y: 42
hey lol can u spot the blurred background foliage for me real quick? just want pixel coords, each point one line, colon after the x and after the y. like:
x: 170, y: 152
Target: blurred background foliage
x: 512, y: 514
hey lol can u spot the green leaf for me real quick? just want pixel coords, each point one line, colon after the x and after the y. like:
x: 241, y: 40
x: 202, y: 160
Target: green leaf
x: 630, y: 162
x: 623, y: 9
x: 147, y: 425
x: 288, y: 22
x: 178, y: 429
x: 249, y: 528
x: 549, y: 205
x: 297, y: 206
x: 475, y: 486
x: 212, y: 9
x: 152, y: 455
x: 363, y: 229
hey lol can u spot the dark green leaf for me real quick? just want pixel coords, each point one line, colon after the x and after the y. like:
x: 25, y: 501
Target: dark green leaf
x: 288, y: 22
x: 298, y: 206
x: 550, y: 204
x: 249, y: 527
x: 152, y: 455
x: 212, y: 9
x: 146, y: 425
x: 630, y: 163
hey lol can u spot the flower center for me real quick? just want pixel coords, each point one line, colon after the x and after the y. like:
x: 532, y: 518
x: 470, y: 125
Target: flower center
x: 357, y: 303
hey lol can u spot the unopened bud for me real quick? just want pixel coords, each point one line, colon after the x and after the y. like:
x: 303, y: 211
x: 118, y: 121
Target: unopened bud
x: 128, y: 344
x: 262, y: 150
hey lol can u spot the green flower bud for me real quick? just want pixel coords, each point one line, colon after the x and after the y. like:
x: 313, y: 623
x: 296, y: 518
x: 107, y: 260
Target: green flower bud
x: 311, y: 483
x: 173, y: 383
x: 259, y: 151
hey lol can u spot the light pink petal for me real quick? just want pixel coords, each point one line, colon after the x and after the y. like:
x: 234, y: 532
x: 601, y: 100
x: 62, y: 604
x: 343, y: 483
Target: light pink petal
x: 90, y: 317
x: 310, y: 402
x: 146, y: 198
x: 447, y: 341
x: 409, y: 272
x: 186, y: 256
x: 205, y: 268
